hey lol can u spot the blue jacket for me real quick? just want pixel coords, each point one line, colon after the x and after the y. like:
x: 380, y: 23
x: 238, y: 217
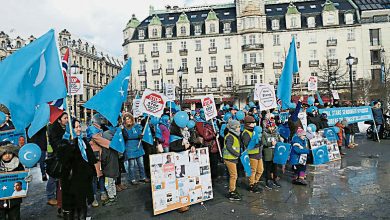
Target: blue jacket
x: 378, y: 115
x: 132, y: 138
x: 296, y: 151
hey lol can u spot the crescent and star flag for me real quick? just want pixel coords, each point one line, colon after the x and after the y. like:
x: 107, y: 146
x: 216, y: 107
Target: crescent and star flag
x: 286, y: 79
x: 148, y: 137
x: 246, y: 163
x: 320, y: 155
x: 117, y: 143
x: 109, y: 100
x: 32, y: 77
x: 281, y: 153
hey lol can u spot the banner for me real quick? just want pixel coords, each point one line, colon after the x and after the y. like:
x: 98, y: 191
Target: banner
x: 180, y: 179
x: 352, y: 114
x: 312, y: 84
x: 170, y: 91
x: 152, y: 103
x: 13, y: 185
x: 13, y: 136
x: 335, y: 94
x: 76, y: 84
x: 265, y: 94
x: 281, y: 153
x: 135, y: 108
x: 208, y: 104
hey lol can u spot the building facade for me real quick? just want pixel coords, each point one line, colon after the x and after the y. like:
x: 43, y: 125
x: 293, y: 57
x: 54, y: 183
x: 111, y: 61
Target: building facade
x: 227, y: 49
x: 8, y: 45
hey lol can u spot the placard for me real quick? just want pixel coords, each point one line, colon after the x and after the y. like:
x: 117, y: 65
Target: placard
x: 13, y: 185
x: 152, y: 103
x: 265, y: 94
x: 303, y: 118
x: 136, y: 108
x: 208, y: 104
x: 180, y: 179
x: 170, y: 91
x: 281, y: 153
x: 352, y: 114
x: 76, y: 84
x: 320, y: 155
x: 15, y: 137
x: 312, y: 84
x: 332, y: 147
x: 335, y: 94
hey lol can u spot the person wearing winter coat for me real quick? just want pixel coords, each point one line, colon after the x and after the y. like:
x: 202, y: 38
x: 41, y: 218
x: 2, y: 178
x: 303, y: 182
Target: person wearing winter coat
x: 269, y: 139
x: 255, y: 154
x: 134, y: 152
x: 350, y: 132
x: 231, y: 154
x: 298, y: 156
x: 341, y: 134
x: 165, y: 133
x: 379, y: 119
x: 323, y: 121
x: 206, y: 131
x: 293, y: 121
x: 313, y: 117
x: 78, y: 160
x: 10, y: 208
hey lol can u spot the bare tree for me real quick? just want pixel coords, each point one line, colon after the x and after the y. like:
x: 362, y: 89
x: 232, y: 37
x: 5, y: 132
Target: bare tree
x: 330, y: 74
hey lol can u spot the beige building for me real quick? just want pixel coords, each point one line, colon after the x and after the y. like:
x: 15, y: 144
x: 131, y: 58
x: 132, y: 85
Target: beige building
x: 226, y: 49
x: 8, y: 45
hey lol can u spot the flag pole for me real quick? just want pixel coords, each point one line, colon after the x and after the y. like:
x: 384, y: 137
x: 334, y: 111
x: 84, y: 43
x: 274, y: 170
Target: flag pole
x: 69, y: 96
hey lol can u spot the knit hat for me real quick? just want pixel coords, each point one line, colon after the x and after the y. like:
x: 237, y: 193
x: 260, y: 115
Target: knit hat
x: 301, y: 132
x: 249, y: 119
x: 344, y: 122
x: 233, y: 125
x: 271, y: 123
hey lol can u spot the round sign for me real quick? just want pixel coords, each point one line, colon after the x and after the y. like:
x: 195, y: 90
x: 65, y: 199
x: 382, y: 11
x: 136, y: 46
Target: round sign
x: 153, y: 103
x: 267, y: 97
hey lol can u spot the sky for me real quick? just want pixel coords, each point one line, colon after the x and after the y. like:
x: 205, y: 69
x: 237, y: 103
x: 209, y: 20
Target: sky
x: 98, y: 21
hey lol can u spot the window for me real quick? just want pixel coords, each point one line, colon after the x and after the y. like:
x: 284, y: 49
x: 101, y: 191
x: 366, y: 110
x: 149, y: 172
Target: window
x: 252, y: 39
x: 183, y: 45
x: 314, y: 74
x: 141, y: 49
x: 155, y: 47
x: 313, y: 54
x: 141, y: 65
x: 143, y: 85
x: 213, y: 61
x: 169, y: 31
x: 253, y: 79
x: 252, y: 57
x: 198, y: 46
x: 261, y: 79
x: 375, y: 57
x: 155, y: 65
x: 154, y: 32
x: 141, y: 34
x: 199, y: 83
x: 229, y: 81
x: 87, y: 91
x: 183, y: 30
x: 212, y: 43
x: 212, y: 28
x: 228, y: 60
x: 294, y: 22
x: 374, y: 37
x: 184, y: 63
x: 198, y: 62
x: 246, y: 80
x: 156, y: 85
x: 227, y: 43
x: 170, y: 63
x: 331, y: 18
x: 349, y: 18
x: 94, y: 79
x: 213, y: 82
x: 331, y: 53
x: 184, y: 83
x: 243, y: 40
x: 312, y: 38
x: 296, y: 78
x: 311, y: 22
x: 170, y: 81
x: 245, y: 58
x: 351, y: 34
x: 252, y: 22
x: 275, y: 24
x: 198, y: 29
x: 169, y: 47
x: 19, y: 45
x: 226, y: 27
x: 276, y: 39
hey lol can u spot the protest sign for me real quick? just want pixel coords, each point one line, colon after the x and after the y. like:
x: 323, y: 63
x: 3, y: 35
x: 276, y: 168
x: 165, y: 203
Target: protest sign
x: 180, y: 179
x: 136, y: 108
x: 320, y: 155
x: 76, y: 84
x: 208, y: 104
x: 265, y: 94
x: 13, y: 185
x: 303, y: 118
x: 13, y: 136
x: 152, y: 103
x: 312, y: 84
x: 281, y: 153
x: 170, y: 92
x: 335, y: 94
x: 332, y: 148
x: 352, y: 114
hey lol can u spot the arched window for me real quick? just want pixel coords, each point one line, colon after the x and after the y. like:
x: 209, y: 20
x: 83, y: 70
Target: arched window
x: 18, y: 44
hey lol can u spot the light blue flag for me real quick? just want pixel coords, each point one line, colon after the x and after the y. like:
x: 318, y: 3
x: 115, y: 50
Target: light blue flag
x: 281, y: 153
x: 319, y: 98
x: 41, y: 118
x: 246, y: 163
x: 320, y: 155
x: 158, y: 131
x: 286, y: 78
x: 148, y: 138
x: 117, y: 143
x: 31, y: 76
x: 109, y: 100
x: 253, y: 141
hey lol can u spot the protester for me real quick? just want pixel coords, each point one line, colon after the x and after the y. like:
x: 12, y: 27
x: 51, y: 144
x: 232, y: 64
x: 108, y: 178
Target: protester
x: 293, y: 121
x: 298, y: 156
x: 377, y: 114
x: 313, y: 117
x: 323, y: 121
x: 269, y: 139
x: 341, y: 135
x: 165, y: 133
x: 78, y: 159
x: 350, y: 132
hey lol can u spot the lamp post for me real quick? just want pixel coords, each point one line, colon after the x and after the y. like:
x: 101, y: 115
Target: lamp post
x: 383, y: 66
x: 350, y: 61
x: 146, y: 75
x: 180, y: 73
x: 74, y: 69
x: 162, y: 79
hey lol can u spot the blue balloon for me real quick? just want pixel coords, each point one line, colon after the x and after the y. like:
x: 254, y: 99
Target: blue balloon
x: 2, y: 117
x: 313, y: 127
x: 240, y: 115
x: 29, y: 155
x: 181, y: 119
x: 258, y: 129
x: 190, y: 124
x: 310, y: 100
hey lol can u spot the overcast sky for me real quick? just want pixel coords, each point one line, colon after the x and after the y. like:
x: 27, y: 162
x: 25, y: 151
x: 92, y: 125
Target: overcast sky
x: 98, y: 21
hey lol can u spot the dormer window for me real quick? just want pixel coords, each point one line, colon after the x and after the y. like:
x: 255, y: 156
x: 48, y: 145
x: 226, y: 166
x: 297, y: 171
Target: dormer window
x: 311, y: 22
x: 154, y: 32
x: 198, y: 29
x: 183, y: 30
x: 212, y: 28
x: 331, y: 18
x: 168, y: 32
x: 275, y: 24
x: 226, y: 27
x: 349, y: 18
x: 293, y: 22
x: 141, y: 34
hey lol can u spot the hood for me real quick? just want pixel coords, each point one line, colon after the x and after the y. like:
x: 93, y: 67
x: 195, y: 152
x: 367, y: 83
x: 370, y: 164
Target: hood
x: 9, y: 148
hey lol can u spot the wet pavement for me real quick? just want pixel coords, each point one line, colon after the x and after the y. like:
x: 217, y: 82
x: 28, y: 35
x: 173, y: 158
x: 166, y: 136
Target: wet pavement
x: 356, y: 187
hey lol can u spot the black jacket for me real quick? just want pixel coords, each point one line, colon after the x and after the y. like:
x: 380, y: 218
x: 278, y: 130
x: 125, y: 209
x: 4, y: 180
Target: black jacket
x: 40, y: 139
x: 176, y: 146
x: 55, y: 135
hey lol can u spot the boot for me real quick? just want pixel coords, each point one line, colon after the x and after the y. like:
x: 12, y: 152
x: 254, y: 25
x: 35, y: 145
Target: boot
x: 68, y: 215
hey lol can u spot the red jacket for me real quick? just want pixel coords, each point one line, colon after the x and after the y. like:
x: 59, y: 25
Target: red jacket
x: 340, y: 134
x: 206, y: 131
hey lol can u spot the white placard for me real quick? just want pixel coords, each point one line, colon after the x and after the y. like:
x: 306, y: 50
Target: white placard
x: 302, y: 117
x: 210, y: 110
x: 152, y: 103
x: 170, y: 92
x: 335, y: 94
x: 265, y: 94
x: 312, y: 83
x: 76, y: 84
x: 136, y: 110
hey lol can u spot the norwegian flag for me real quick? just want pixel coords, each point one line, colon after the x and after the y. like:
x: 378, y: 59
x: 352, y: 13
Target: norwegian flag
x: 57, y: 107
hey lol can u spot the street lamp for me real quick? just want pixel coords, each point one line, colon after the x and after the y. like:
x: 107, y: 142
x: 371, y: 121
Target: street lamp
x: 180, y: 73
x: 146, y: 75
x: 74, y: 69
x: 162, y: 79
x: 350, y: 61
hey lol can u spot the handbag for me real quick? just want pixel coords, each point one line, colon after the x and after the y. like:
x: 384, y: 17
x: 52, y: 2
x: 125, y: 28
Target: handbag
x: 54, y: 167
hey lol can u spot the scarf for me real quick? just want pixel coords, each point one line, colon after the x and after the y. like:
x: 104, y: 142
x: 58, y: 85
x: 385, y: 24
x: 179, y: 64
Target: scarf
x: 11, y: 165
x: 82, y: 147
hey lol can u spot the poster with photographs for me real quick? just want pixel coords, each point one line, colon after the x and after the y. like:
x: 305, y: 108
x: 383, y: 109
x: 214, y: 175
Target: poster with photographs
x: 180, y: 179
x: 333, y: 149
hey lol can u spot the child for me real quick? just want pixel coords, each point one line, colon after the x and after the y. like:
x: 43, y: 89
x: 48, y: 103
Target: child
x: 10, y: 208
x: 341, y: 134
x: 298, y: 156
x: 231, y: 154
x: 269, y: 140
